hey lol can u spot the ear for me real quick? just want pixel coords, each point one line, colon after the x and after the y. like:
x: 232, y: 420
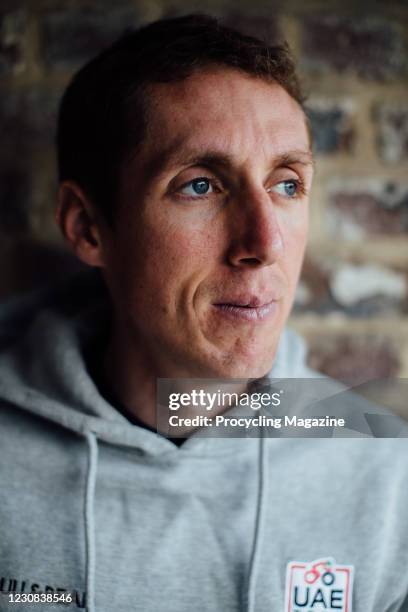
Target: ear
x: 80, y: 224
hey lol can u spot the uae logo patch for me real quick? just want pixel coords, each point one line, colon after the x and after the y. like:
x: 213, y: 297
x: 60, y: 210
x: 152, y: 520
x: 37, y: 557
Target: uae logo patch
x: 318, y: 585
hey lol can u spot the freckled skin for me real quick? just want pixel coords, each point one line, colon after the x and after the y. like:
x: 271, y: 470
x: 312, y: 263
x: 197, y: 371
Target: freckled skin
x: 171, y: 257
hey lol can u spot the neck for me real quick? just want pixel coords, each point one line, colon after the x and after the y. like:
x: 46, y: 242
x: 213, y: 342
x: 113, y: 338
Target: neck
x: 131, y: 374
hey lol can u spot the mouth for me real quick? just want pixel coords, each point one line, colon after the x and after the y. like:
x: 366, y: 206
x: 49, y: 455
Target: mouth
x: 251, y: 309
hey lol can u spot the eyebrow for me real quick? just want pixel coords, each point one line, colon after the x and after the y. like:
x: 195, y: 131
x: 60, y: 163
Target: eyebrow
x: 175, y: 157
x: 216, y: 158
x: 295, y: 157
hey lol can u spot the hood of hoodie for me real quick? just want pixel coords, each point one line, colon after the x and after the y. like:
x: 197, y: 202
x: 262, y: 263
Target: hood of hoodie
x: 43, y: 341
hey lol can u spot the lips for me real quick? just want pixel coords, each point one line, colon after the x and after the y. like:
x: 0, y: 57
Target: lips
x: 246, y: 300
x: 247, y: 308
x: 242, y: 303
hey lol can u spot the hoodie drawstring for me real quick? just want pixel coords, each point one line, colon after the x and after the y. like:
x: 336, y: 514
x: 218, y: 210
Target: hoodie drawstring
x: 259, y: 522
x: 89, y: 520
x: 90, y: 523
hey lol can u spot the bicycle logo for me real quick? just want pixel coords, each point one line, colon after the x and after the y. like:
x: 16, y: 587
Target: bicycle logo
x: 322, y: 570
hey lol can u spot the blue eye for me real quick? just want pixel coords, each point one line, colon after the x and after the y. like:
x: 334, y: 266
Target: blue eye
x: 197, y: 187
x: 288, y: 188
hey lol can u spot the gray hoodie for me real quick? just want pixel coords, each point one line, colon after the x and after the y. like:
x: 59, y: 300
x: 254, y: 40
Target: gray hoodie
x: 125, y: 520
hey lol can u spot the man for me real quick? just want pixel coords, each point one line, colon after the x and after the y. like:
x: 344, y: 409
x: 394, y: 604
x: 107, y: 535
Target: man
x: 185, y: 170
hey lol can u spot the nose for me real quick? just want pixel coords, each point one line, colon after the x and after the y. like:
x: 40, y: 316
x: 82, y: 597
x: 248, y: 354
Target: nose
x: 256, y: 237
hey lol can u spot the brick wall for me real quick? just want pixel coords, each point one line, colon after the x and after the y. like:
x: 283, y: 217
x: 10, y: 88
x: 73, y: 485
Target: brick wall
x: 352, y: 300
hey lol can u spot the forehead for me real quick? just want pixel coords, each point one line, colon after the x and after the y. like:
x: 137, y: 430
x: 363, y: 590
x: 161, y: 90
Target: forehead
x: 222, y: 111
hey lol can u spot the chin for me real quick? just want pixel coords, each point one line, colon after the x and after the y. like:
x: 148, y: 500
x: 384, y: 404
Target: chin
x: 236, y: 367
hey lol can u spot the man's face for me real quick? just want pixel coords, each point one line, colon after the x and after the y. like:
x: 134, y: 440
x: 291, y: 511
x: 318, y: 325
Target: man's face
x: 211, y: 226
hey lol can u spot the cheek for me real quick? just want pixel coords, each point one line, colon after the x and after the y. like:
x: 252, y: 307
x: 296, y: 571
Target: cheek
x: 181, y: 252
x: 168, y: 260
